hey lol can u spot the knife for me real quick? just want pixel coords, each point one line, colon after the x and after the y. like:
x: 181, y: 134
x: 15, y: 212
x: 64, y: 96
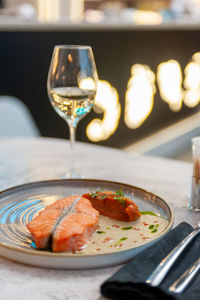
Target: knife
x: 165, y: 265
x: 186, y: 278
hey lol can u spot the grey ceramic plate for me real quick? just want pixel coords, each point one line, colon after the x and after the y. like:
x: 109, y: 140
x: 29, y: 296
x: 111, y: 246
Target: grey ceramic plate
x: 18, y: 206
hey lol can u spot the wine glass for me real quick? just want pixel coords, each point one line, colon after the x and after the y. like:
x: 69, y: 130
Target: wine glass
x: 72, y: 85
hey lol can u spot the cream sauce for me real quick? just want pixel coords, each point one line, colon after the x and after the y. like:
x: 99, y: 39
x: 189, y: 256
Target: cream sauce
x: 112, y: 235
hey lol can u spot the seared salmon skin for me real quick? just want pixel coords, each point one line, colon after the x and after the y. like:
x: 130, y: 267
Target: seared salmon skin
x: 114, y: 205
x: 64, y: 225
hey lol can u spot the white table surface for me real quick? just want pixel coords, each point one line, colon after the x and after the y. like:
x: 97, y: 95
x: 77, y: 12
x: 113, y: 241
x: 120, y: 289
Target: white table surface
x: 24, y: 160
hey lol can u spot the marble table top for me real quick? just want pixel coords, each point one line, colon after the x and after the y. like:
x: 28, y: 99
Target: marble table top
x: 24, y: 160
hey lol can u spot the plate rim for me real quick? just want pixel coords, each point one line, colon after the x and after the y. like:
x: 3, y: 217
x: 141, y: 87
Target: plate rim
x: 44, y: 253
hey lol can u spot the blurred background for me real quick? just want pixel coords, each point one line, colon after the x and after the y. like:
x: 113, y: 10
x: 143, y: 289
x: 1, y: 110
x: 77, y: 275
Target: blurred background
x: 148, y: 60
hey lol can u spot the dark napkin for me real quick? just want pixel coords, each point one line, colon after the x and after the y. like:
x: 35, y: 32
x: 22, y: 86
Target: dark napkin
x: 129, y: 282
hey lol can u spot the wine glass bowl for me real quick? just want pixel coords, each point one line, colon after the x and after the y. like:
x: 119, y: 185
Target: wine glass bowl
x: 72, y: 85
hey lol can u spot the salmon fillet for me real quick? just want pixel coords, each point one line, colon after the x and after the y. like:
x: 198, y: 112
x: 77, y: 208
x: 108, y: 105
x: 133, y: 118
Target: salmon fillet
x: 74, y: 229
x: 46, y: 227
x: 113, y: 205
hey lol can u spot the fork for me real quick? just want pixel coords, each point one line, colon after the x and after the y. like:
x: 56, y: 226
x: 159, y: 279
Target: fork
x: 165, y: 265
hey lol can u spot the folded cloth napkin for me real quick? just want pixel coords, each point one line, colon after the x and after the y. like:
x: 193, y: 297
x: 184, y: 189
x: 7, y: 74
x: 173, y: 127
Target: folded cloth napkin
x: 129, y: 283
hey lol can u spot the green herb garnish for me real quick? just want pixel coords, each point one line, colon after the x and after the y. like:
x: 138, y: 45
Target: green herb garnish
x: 100, y: 231
x: 119, y: 193
x: 127, y: 228
x: 102, y: 197
x: 148, y: 213
x: 122, y: 239
x: 120, y: 200
x: 119, y: 197
x: 93, y: 194
x: 153, y: 228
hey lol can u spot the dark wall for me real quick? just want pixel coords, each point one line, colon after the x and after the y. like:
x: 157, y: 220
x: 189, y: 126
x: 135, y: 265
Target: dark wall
x: 25, y: 58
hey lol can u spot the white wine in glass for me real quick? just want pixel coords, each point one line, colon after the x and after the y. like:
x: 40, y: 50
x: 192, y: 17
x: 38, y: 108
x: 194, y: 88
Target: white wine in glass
x: 72, y: 85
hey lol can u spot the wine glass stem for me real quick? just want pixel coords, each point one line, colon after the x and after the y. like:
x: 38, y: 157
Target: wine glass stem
x: 72, y: 141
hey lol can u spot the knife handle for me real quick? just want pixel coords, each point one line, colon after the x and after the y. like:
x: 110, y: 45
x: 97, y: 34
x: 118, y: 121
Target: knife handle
x: 162, y: 269
x: 186, y: 279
